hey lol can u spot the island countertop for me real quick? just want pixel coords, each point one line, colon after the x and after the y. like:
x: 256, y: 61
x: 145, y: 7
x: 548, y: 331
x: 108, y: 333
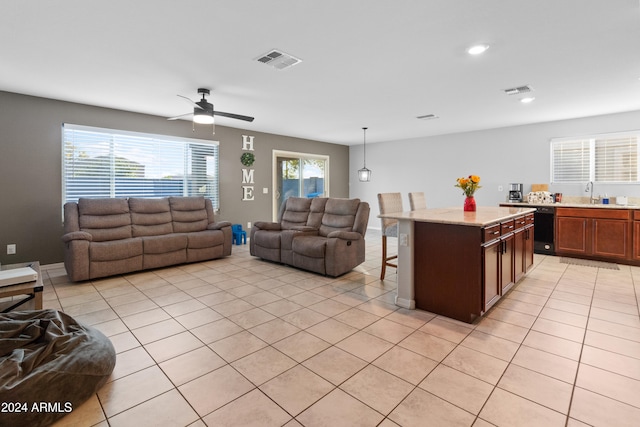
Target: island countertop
x: 484, y: 215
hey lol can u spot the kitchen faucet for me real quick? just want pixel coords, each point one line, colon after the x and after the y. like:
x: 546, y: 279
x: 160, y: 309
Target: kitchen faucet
x: 589, y: 189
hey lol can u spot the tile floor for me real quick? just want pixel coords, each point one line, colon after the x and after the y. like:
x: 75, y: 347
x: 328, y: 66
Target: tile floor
x: 241, y: 342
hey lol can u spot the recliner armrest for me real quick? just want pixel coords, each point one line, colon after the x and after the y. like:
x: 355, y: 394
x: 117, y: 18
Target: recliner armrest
x: 76, y: 235
x: 304, y: 228
x: 218, y: 225
x: 262, y: 225
x: 345, y: 235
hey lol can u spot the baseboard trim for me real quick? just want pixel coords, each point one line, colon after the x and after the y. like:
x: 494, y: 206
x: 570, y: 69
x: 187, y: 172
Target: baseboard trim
x: 406, y: 303
x: 52, y: 266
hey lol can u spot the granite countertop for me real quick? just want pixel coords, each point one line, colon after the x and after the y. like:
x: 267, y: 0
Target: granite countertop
x: 484, y: 215
x: 571, y: 205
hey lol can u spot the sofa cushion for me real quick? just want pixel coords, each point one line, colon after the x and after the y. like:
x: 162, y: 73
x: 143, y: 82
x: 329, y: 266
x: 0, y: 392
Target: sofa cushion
x: 104, y: 219
x: 267, y: 239
x: 150, y: 217
x: 188, y: 214
x: 205, y: 239
x: 316, y: 212
x: 296, y: 212
x: 115, y: 250
x: 164, y: 244
x: 339, y: 215
x: 310, y: 246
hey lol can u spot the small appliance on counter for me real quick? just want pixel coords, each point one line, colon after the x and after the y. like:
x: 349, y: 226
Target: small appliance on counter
x: 515, y: 193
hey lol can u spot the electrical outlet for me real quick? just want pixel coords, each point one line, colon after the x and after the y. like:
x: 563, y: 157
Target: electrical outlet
x: 11, y: 249
x: 499, y: 187
x: 265, y: 190
x: 404, y: 240
x: 249, y: 225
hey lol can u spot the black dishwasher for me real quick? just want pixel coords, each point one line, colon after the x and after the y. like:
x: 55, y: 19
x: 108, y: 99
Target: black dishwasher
x: 543, y: 234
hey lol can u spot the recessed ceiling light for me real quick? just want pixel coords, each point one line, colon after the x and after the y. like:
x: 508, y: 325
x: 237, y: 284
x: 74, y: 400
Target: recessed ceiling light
x: 527, y: 100
x: 477, y: 49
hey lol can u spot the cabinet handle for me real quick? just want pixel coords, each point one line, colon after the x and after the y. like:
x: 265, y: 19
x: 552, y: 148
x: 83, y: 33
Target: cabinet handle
x: 496, y: 232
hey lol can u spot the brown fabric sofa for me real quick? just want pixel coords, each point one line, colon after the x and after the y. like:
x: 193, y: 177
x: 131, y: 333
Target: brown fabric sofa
x: 323, y: 235
x: 104, y: 237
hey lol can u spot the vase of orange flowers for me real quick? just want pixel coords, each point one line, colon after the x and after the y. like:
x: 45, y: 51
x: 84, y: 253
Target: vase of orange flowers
x: 469, y: 186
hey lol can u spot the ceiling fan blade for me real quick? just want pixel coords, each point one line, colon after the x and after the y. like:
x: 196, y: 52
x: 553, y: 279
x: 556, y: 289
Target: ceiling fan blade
x: 233, y: 116
x: 193, y: 103
x: 180, y: 116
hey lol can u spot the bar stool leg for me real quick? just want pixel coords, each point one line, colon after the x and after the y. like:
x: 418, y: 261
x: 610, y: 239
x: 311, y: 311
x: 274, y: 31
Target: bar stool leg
x: 384, y: 258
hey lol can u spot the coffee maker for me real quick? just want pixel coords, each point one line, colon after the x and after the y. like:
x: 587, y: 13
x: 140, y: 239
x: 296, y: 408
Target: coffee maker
x: 515, y: 192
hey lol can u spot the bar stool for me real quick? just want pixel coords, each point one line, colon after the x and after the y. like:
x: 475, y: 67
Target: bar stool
x: 389, y: 203
x: 417, y: 201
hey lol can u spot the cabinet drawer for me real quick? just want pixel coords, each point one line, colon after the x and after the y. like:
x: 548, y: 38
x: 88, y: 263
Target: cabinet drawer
x: 491, y: 232
x: 636, y: 215
x: 507, y: 226
x: 594, y: 213
x: 529, y: 218
x: 520, y: 222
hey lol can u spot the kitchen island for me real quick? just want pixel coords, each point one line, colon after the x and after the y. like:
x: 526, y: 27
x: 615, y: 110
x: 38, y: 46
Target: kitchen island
x: 458, y: 263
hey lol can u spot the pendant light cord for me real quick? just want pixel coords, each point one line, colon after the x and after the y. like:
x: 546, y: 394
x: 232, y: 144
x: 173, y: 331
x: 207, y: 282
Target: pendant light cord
x: 364, y: 147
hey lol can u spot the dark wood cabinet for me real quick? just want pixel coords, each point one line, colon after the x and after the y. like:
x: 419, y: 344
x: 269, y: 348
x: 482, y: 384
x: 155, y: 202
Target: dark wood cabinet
x: 462, y: 271
x: 492, y: 254
x: 594, y: 233
x: 610, y: 238
x: 507, y: 263
x: 636, y: 239
x: 528, y: 246
x: 519, y: 253
x: 572, y: 235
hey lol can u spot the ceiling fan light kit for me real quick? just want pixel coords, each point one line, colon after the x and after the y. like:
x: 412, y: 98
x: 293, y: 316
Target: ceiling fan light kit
x: 203, y: 112
x: 202, y: 117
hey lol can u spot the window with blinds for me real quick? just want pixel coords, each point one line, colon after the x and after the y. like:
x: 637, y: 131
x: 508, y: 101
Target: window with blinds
x: 111, y: 163
x: 611, y: 158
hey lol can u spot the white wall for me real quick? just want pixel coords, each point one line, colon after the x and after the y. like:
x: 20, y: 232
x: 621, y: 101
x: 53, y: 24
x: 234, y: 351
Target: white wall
x: 500, y: 156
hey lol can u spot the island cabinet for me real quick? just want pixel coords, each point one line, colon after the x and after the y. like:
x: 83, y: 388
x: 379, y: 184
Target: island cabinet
x: 461, y: 271
x: 594, y: 233
x: 523, y: 246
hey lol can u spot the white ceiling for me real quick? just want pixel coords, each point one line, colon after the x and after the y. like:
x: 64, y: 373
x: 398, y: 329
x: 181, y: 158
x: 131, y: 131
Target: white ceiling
x: 368, y: 63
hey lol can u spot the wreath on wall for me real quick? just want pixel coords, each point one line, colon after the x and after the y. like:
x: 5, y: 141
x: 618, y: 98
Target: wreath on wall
x: 247, y: 159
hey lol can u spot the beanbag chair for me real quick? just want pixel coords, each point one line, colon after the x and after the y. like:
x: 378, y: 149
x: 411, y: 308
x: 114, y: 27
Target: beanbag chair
x: 49, y: 365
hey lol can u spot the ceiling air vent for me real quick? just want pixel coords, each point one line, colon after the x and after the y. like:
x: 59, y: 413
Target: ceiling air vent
x: 428, y: 117
x: 518, y: 90
x: 278, y: 59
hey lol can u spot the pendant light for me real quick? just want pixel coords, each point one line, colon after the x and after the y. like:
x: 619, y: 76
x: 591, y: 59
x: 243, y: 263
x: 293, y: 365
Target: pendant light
x: 364, y: 174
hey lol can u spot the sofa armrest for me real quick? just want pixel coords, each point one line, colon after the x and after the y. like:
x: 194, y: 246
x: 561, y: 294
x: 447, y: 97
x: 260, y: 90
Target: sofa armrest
x: 218, y: 225
x: 262, y: 225
x: 345, y: 235
x: 76, y: 235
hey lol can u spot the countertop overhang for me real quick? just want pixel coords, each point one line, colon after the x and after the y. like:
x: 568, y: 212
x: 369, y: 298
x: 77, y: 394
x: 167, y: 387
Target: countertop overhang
x: 483, y: 216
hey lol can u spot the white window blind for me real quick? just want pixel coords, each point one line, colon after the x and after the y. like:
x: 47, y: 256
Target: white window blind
x: 570, y: 161
x: 616, y: 159
x: 610, y: 158
x: 110, y: 163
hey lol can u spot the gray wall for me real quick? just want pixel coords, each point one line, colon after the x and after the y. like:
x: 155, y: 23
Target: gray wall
x: 519, y: 154
x: 30, y: 168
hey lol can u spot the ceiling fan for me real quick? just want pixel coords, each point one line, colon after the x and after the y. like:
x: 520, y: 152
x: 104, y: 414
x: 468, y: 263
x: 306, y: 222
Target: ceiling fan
x: 203, y: 111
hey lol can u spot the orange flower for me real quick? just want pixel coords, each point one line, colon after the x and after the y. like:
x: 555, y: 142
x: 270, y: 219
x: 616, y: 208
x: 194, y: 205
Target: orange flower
x: 469, y: 185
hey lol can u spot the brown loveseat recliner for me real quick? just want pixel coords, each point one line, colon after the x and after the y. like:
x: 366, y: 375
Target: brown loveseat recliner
x: 323, y: 235
x: 104, y: 237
